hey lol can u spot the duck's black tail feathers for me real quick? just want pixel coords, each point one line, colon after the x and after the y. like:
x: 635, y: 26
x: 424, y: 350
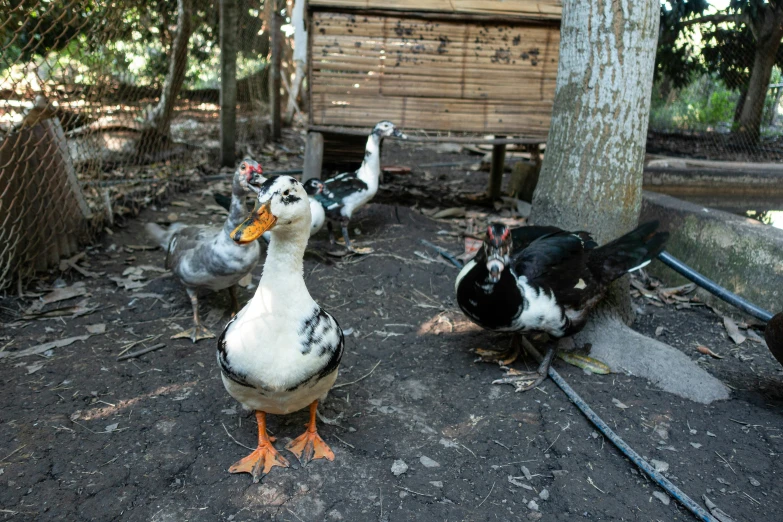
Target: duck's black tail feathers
x: 627, y: 253
x: 222, y: 200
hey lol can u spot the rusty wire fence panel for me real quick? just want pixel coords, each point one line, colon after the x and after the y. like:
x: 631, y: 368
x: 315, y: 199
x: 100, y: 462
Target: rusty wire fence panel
x: 79, y: 82
x: 717, y: 103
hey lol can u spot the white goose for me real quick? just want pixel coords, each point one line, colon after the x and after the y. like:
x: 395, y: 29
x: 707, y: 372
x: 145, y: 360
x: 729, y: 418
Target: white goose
x: 281, y: 351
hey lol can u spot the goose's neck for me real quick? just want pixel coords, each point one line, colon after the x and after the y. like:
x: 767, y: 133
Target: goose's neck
x: 370, y: 170
x: 237, y: 212
x: 284, y: 265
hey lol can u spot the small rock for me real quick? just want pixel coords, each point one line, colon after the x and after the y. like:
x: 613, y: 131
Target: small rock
x: 399, y: 467
x: 437, y: 483
x: 660, y: 466
x: 696, y: 445
x: 526, y: 473
x: 532, y: 505
x: 662, y: 497
x: 710, y: 434
x: 428, y: 462
x: 544, y: 495
x: 534, y: 515
x: 754, y: 482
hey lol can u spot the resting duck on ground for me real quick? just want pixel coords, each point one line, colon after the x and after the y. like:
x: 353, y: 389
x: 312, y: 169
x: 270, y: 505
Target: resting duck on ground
x: 281, y: 352
x: 544, y: 279
x: 348, y: 191
x: 317, y: 194
x: 206, y: 257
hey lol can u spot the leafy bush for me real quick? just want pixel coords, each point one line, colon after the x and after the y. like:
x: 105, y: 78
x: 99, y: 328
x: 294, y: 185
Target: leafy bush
x: 704, y: 104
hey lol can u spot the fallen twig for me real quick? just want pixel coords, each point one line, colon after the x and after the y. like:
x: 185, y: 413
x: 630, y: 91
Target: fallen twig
x: 357, y: 380
x: 235, y: 440
x: 131, y: 344
x: 590, y: 481
x: 488, y: 494
x: 13, y: 452
x: 415, y: 492
x: 141, y: 352
x: 726, y: 461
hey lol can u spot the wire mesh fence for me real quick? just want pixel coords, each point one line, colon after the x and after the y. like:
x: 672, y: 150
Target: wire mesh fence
x: 718, y: 86
x: 100, y: 114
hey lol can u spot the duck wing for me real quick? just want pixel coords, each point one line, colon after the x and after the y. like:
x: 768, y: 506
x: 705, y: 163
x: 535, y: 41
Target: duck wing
x: 341, y: 187
x: 556, y: 262
x: 521, y: 237
x: 185, y: 240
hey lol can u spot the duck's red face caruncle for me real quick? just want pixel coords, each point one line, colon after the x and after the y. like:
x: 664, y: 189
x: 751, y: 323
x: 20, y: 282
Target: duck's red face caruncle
x: 251, y: 172
x: 497, y: 247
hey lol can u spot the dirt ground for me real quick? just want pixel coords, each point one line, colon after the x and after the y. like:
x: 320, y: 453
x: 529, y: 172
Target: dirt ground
x: 85, y: 437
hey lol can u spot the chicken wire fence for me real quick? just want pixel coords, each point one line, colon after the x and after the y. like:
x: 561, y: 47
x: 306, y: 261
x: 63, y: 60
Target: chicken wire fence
x: 723, y: 101
x: 87, y: 134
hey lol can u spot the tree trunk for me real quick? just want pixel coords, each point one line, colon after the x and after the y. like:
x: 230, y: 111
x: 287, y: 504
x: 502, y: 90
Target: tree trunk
x: 591, y: 178
x: 749, y: 122
x: 228, y: 81
x: 300, y: 57
x: 159, y: 118
x: 276, y: 45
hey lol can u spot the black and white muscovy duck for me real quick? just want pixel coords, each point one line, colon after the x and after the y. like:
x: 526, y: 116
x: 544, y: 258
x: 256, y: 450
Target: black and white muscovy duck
x: 281, y: 352
x: 316, y: 192
x: 205, y: 257
x: 348, y: 191
x: 544, y: 279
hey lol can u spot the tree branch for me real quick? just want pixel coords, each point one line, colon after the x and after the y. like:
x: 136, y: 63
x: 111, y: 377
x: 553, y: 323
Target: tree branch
x: 716, y: 19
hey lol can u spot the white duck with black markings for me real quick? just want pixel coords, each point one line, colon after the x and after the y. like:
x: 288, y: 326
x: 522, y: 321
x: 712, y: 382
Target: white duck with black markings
x: 348, y: 191
x: 281, y: 352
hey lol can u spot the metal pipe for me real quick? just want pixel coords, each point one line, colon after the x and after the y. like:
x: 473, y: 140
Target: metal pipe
x: 713, y: 287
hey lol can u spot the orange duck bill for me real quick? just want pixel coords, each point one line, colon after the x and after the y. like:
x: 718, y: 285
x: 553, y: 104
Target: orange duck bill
x: 259, y: 221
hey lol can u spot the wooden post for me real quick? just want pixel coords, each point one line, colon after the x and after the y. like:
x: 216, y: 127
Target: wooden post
x: 274, y: 75
x: 228, y: 81
x: 314, y: 156
x: 496, y: 171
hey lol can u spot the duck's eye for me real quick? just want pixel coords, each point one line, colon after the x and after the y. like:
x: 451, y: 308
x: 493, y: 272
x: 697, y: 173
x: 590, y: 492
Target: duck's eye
x: 286, y: 192
x: 243, y: 166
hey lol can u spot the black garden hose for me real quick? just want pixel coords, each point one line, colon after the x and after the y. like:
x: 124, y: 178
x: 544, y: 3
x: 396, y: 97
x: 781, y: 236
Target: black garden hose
x: 713, y: 287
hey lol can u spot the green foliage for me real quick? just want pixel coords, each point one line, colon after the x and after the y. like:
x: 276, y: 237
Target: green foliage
x: 678, y: 55
x: 128, y: 41
x: 704, y: 104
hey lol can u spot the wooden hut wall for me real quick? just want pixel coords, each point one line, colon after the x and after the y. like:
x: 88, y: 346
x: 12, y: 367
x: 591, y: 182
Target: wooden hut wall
x: 457, y: 75
x: 537, y: 9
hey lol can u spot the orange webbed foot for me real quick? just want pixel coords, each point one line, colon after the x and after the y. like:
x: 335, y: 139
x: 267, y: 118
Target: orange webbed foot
x: 264, y: 457
x: 260, y: 462
x: 310, y: 446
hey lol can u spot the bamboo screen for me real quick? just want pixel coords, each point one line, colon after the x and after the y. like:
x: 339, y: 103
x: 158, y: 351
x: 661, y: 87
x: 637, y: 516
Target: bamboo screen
x: 464, y: 76
x: 539, y: 9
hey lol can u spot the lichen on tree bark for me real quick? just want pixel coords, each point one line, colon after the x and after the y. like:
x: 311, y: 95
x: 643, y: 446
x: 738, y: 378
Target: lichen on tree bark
x: 592, y: 172
x: 591, y: 178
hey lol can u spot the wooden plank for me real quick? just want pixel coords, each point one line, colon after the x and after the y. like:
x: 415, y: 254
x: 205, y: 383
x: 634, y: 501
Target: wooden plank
x: 546, y: 9
x: 314, y: 156
x: 483, y: 140
x: 496, y: 171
